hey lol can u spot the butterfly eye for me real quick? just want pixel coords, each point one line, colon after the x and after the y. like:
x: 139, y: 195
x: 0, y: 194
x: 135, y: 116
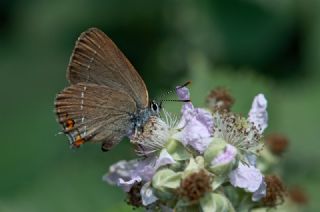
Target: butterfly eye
x: 154, y: 106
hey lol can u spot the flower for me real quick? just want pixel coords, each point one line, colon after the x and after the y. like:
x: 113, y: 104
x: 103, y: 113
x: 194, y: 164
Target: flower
x: 238, y: 132
x: 195, y: 126
x: 126, y: 173
x: 258, y: 114
x: 247, y: 177
x: 153, y: 136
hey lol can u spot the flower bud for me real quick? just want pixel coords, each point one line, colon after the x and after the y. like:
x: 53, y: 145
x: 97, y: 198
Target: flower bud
x: 220, y: 156
x: 165, y: 182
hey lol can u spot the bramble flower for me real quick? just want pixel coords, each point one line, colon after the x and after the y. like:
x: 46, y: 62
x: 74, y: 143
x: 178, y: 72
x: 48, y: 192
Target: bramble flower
x: 199, y: 161
x: 238, y: 132
x: 153, y: 137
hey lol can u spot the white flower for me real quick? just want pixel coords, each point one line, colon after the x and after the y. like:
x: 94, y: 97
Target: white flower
x: 152, y: 138
x: 237, y: 131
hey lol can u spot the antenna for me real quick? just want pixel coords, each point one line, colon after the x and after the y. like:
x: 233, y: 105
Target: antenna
x: 173, y: 90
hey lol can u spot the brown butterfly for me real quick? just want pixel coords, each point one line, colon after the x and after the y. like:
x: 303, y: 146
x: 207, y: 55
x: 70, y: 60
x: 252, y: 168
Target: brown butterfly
x: 107, y: 99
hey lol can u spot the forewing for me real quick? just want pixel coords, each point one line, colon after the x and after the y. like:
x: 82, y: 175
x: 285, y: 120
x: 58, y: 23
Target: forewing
x: 96, y: 59
x: 94, y: 112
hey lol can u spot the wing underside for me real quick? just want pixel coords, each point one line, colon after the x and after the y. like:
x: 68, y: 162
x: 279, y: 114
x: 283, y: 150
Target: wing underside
x: 96, y: 59
x: 94, y: 112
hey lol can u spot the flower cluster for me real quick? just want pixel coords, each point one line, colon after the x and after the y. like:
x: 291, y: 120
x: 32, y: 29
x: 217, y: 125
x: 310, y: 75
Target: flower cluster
x: 208, y: 160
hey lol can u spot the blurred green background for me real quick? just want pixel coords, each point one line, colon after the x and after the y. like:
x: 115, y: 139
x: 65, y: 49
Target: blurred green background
x: 248, y: 46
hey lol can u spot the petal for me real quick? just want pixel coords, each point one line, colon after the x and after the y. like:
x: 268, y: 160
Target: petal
x: 126, y: 172
x: 246, y: 177
x: 183, y: 92
x: 126, y: 185
x: 145, y: 168
x: 260, y: 193
x: 164, y: 159
x: 200, y: 144
x: 258, y: 113
x: 225, y: 156
x: 252, y: 159
x: 205, y: 117
x: 196, y: 124
x: 196, y: 134
x: 122, y: 169
x: 147, y: 195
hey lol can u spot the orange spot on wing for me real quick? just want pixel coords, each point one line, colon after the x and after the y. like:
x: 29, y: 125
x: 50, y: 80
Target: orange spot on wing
x: 69, y: 124
x: 78, y: 142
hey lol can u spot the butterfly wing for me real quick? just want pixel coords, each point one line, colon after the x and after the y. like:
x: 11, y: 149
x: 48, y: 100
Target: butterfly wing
x: 96, y: 59
x: 94, y: 112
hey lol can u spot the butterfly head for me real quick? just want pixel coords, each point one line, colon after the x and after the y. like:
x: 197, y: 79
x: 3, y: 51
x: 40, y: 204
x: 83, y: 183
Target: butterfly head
x: 155, y: 107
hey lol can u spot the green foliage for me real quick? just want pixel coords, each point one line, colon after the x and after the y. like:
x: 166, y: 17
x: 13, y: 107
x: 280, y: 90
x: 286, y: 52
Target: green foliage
x: 168, y: 42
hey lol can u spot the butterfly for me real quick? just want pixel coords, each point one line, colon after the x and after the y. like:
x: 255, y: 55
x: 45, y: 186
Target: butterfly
x: 107, y: 99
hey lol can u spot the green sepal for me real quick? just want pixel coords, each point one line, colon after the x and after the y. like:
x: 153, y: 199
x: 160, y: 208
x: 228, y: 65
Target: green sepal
x: 216, y: 202
x: 165, y: 181
x: 177, y: 150
x: 217, y: 181
x: 215, y: 147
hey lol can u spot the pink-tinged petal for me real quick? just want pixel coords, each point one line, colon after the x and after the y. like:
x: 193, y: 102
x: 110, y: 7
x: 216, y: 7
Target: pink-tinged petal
x: 164, y: 159
x: 125, y: 173
x: 205, y: 117
x: 258, y: 113
x: 225, y: 156
x: 246, y: 177
x: 196, y: 124
x: 260, y: 193
x: 127, y: 185
x: 183, y: 93
x: 197, y: 129
x: 122, y: 169
x: 147, y: 195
